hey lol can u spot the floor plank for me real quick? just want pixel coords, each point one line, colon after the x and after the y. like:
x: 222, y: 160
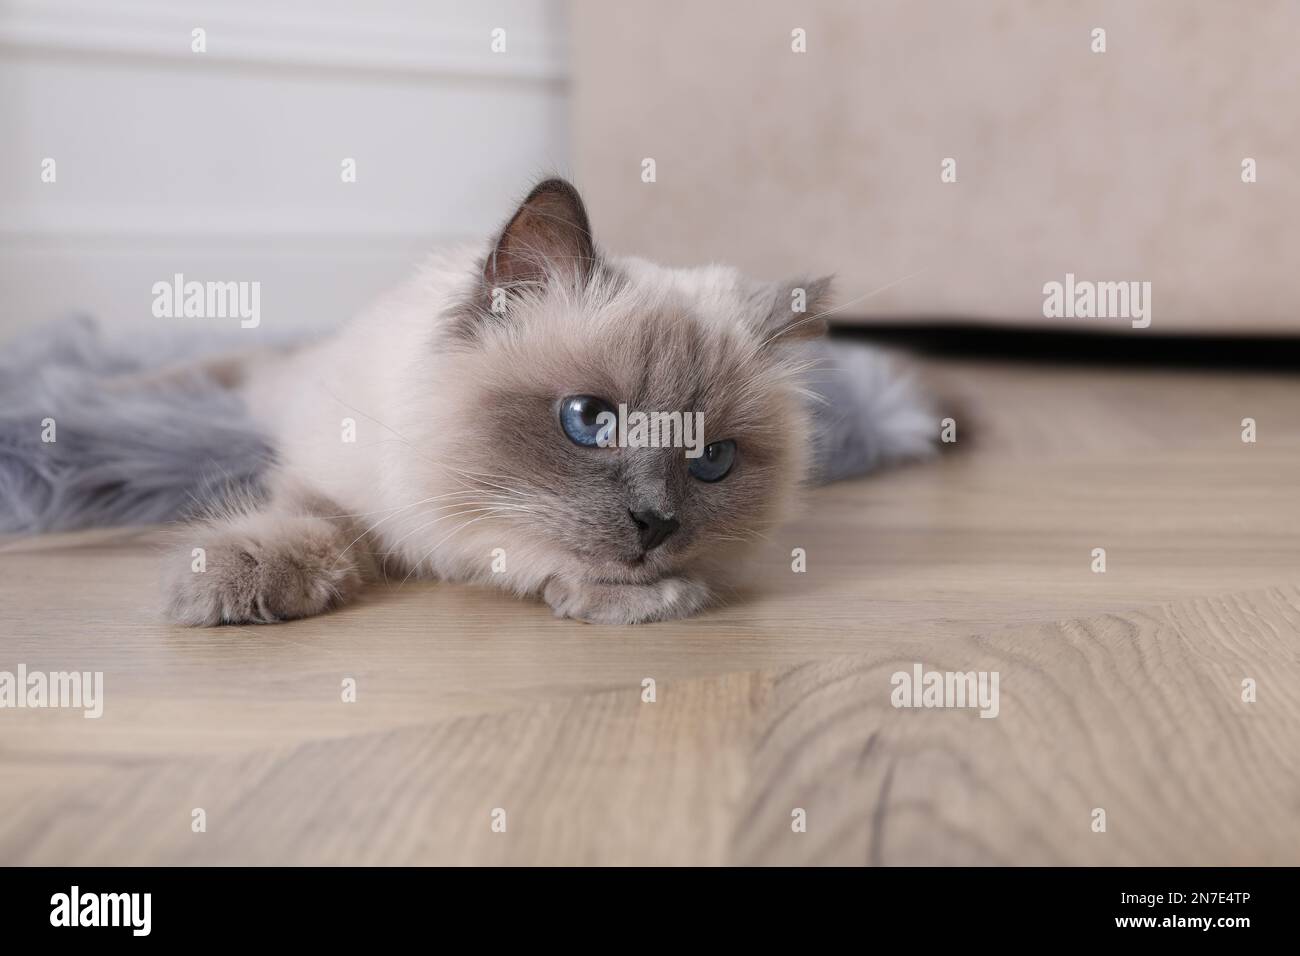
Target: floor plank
x: 1120, y: 690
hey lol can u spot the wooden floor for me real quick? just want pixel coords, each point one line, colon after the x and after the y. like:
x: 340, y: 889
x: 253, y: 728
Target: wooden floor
x: 1120, y: 691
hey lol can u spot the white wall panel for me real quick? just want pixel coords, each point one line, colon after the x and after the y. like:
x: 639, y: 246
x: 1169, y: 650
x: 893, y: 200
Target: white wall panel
x: 225, y: 165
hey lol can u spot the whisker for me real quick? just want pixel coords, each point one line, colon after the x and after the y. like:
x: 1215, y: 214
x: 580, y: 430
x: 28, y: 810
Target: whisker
x: 821, y: 315
x: 438, y: 544
x: 371, y: 529
x: 482, y: 506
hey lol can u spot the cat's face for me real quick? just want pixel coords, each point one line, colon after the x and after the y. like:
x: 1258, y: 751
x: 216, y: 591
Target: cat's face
x: 548, y: 387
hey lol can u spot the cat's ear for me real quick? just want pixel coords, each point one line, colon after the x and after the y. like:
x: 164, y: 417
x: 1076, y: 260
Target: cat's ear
x: 548, y: 236
x: 792, y: 311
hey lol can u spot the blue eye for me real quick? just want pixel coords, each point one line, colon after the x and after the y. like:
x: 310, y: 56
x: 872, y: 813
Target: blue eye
x: 582, y: 420
x: 716, y: 461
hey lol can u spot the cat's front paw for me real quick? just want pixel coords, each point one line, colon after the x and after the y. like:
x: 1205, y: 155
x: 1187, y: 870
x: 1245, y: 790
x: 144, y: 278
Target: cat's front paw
x: 597, y: 603
x: 237, y: 574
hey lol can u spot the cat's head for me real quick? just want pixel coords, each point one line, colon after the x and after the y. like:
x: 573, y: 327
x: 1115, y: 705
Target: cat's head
x: 554, y: 340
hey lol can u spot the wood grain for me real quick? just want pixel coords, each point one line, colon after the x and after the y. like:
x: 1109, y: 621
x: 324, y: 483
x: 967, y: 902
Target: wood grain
x: 1119, y: 690
x: 1139, y: 714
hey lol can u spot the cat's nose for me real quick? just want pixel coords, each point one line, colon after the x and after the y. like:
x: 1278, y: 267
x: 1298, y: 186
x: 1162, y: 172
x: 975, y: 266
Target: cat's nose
x: 654, y: 527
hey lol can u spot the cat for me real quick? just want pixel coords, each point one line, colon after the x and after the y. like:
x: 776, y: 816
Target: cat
x: 452, y: 432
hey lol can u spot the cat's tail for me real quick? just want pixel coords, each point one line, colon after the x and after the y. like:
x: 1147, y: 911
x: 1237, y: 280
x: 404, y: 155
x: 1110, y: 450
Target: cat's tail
x: 78, y: 448
x: 867, y: 413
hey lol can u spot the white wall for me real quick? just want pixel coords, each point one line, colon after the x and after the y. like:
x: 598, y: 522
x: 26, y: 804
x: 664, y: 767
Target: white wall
x: 225, y: 165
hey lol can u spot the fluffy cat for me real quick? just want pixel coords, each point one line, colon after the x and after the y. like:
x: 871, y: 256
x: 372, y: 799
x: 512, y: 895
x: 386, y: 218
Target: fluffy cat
x: 471, y: 394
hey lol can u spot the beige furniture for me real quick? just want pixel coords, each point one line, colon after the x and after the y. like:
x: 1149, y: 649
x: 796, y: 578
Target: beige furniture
x: 1123, y: 165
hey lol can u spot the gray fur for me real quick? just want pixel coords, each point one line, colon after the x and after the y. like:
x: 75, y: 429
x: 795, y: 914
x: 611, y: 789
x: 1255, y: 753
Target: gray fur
x: 121, y: 455
x: 154, y: 453
x: 867, y: 415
